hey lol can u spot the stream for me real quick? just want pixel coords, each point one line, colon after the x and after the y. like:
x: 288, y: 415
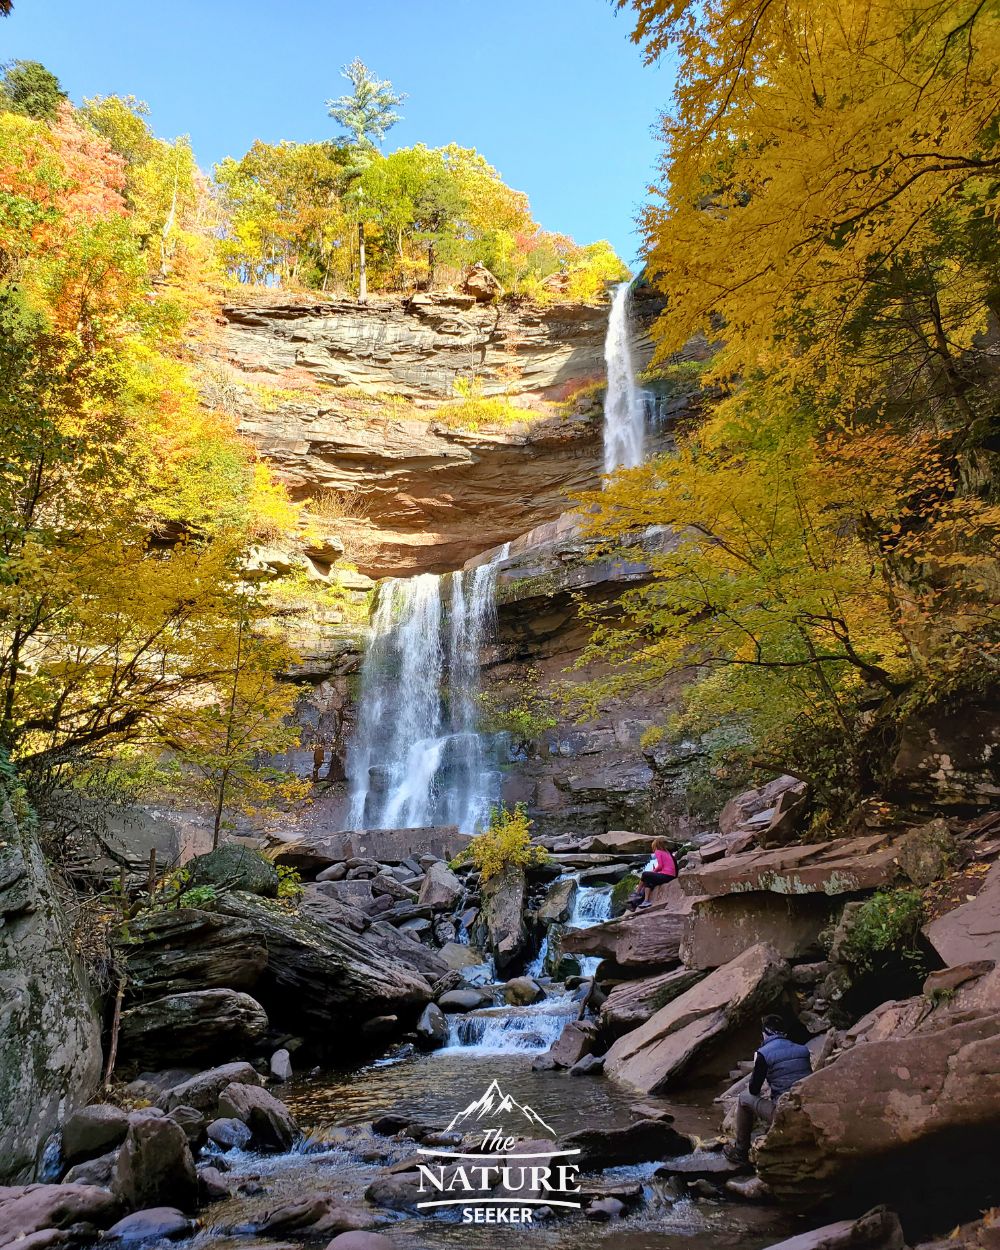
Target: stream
x: 341, y: 1155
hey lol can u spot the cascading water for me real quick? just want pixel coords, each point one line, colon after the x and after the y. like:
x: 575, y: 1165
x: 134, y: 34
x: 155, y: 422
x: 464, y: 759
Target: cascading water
x: 417, y: 757
x: 624, y: 404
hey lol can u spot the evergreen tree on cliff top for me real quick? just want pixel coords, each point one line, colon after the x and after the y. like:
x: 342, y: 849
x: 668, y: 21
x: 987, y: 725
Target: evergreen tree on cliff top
x: 364, y: 114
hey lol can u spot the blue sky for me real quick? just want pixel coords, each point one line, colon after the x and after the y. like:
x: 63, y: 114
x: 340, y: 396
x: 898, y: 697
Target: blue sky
x: 552, y: 92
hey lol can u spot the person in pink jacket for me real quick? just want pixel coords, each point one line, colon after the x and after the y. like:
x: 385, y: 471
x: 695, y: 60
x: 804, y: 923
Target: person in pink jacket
x: 661, y: 868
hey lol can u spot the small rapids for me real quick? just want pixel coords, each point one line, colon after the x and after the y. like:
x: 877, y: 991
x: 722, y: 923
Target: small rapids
x: 510, y: 1030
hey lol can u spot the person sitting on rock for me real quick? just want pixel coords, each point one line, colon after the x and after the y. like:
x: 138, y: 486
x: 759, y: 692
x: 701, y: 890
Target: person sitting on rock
x: 781, y: 1063
x: 661, y: 868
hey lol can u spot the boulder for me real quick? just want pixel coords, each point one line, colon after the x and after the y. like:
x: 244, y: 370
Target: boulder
x: 358, y: 1239
x: 878, y: 1229
x: 97, y: 1171
x: 480, y: 283
x: 457, y: 955
x: 193, y: 1122
x: 234, y: 867
x: 336, y: 872
x: 315, y: 1215
x: 28, y: 1209
x: 320, y: 971
x: 463, y: 1000
x: 503, y: 915
x: 719, y: 929
x: 970, y: 933
x: 281, y: 1065
x: 50, y: 1029
x: 872, y: 1112
x: 832, y: 868
x: 557, y: 906
x: 618, y: 842
x: 927, y: 853
x: 202, y: 1090
x: 589, y: 1065
x: 196, y: 1025
x: 739, y: 810
x: 652, y: 1056
x: 93, y: 1131
x: 649, y: 939
x: 522, y: 992
x: 577, y: 1039
x: 788, y: 817
x: 155, y: 1167
x: 384, y: 884
x: 213, y: 1185
x: 639, y: 1142
x: 153, y: 1224
x: 634, y: 1002
x: 441, y: 889
x: 356, y: 893
x: 172, y: 951
x: 707, y: 1164
x: 228, y: 1133
x: 271, y: 1124
x: 432, y: 1028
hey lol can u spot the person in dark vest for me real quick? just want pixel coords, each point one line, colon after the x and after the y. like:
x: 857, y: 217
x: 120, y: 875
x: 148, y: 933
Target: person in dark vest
x: 781, y: 1063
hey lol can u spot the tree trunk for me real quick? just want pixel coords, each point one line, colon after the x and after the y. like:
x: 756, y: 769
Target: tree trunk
x: 430, y: 265
x: 362, y: 267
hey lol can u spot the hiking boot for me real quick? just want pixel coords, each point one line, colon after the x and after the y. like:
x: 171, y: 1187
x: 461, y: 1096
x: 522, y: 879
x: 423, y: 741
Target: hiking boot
x: 736, y: 1155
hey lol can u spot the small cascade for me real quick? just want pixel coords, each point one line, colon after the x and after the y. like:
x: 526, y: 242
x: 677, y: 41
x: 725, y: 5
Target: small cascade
x: 624, y: 405
x: 510, y: 1030
x: 417, y: 757
x: 592, y: 905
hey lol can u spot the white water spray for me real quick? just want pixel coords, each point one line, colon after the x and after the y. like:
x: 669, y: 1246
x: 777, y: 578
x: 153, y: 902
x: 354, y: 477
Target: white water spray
x: 417, y: 757
x: 624, y: 406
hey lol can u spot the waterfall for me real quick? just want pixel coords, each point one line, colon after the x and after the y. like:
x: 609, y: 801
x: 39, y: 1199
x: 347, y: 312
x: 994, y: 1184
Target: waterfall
x: 510, y: 1030
x: 624, y: 404
x: 592, y: 905
x: 417, y: 757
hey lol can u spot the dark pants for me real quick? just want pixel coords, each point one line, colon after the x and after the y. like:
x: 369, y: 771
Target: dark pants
x: 652, y: 879
x: 750, y: 1108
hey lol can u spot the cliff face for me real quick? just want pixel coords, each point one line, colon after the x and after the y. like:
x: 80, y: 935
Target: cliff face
x: 342, y: 398
x: 50, y: 1040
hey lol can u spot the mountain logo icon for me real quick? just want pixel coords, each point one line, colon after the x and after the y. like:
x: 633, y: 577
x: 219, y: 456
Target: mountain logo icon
x: 494, y: 1102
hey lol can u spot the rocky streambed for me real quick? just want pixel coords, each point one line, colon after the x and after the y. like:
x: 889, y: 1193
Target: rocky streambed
x: 361, y: 1030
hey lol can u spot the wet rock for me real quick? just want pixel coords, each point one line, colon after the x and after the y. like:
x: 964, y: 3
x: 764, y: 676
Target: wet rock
x: 93, y: 1131
x: 359, y: 1240
x: 271, y: 1124
x: 29, y: 1209
x: 315, y: 1215
x: 97, y: 1171
x: 174, y: 951
x: 441, y: 889
x: 202, y: 1090
x: 150, y: 1225
x: 197, y: 1025
x: 234, y: 867
x: 970, y: 933
x: 578, y: 1038
x: 749, y: 1189
x: 380, y: 1026
x: 400, y: 1192
x: 640, y: 1142
x: 843, y: 866
x: 557, y: 906
x: 589, y: 1065
x: 604, y: 1209
x: 503, y: 916
x: 654, y: 1055
x: 213, y: 1186
x: 878, y: 1229
x: 432, y: 1027
x: 228, y: 1133
x: 523, y: 991
x: 866, y: 1112
x: 155, y: 1167
x: 634, y: 1002
x: 463, y: 1000
x: 708, y: 1163
x: 281, y: 1065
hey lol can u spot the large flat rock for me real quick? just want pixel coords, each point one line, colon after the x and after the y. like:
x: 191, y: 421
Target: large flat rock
x: 654, y: 1055
x: 832, y: 868
x: 646, y: 939
x: 719, y: 929
x: 387, y: 846
x: 971, y: 932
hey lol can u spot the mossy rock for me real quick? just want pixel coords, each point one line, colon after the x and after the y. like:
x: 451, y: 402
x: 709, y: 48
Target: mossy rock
x: 622, y: 891
x: 234, y: 867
